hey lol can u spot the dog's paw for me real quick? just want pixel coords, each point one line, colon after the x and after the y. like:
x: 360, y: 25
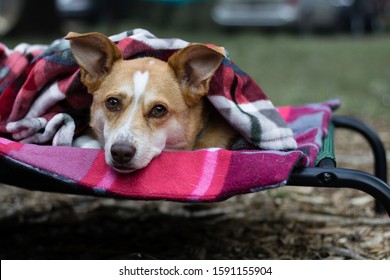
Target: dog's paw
x: 86, y: 142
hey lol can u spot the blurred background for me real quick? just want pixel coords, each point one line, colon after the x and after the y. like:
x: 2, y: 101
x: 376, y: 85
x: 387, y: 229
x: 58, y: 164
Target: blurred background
x: 299, y: 51
x: 303, y: 16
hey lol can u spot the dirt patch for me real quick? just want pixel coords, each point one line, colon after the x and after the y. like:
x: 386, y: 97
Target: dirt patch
x: 286, y: 223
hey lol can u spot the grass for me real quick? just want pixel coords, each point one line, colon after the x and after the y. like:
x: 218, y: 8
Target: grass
x: 296, y: 70
x: 303, y: 69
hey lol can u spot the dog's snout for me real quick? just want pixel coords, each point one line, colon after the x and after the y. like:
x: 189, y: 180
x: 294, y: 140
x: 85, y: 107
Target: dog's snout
x: 122, y: 153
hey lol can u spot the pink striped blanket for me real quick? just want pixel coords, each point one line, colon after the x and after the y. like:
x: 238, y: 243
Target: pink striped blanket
x: 203, y: 175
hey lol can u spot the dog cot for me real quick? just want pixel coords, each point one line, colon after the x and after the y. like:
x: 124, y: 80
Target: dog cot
x: 197, y: 176
x: 42, y: 100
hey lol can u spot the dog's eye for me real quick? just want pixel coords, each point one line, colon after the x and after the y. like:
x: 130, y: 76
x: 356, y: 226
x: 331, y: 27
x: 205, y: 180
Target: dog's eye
x: 113, y: 104
x: 158, y: 111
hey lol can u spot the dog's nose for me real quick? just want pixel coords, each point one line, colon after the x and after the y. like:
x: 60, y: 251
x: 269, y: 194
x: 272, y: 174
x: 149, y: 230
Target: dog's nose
x: 122, y: 153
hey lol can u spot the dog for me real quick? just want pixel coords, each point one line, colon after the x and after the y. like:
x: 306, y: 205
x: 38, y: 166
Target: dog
x: 144, y: 106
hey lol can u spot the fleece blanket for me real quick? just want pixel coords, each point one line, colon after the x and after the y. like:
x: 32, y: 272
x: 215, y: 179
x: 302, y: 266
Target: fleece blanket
x: 205, y: 175
x: 42, y: 100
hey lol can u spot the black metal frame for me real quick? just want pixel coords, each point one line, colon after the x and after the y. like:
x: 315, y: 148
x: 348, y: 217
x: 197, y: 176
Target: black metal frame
x: 325, y: 174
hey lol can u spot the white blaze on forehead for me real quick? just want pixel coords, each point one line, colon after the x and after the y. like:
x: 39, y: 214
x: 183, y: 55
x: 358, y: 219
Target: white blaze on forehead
x: 140, y: 80
x: 123, y: 130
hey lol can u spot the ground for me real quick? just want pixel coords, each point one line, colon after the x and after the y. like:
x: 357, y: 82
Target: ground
x: 286, y: 223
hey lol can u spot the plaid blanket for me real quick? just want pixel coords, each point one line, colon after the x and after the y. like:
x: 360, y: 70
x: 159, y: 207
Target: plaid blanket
x: 42, y: 100
x: 203, y: 175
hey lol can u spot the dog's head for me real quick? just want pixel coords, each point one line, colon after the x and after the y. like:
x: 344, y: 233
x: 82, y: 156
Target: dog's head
x: 144, y: 106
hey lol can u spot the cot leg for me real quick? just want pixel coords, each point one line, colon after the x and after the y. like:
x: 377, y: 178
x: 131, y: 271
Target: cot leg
x: 380, y: 162
x: 341, y: 178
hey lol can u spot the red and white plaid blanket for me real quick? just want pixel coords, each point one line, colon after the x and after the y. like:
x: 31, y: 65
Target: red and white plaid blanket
x: 42, y: 100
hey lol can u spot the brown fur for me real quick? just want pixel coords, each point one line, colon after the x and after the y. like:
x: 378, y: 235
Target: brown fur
x: 179, y: 85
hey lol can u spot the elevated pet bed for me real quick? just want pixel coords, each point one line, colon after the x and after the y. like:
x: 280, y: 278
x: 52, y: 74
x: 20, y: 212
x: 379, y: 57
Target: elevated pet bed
x: 43, y: 102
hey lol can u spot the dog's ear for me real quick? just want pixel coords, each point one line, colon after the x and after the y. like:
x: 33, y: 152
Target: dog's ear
x: 194, y: 67
x: 96, y: 54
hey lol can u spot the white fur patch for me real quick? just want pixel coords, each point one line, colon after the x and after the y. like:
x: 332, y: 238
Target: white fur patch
x: 86, y: 142
x: 140, y: 80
